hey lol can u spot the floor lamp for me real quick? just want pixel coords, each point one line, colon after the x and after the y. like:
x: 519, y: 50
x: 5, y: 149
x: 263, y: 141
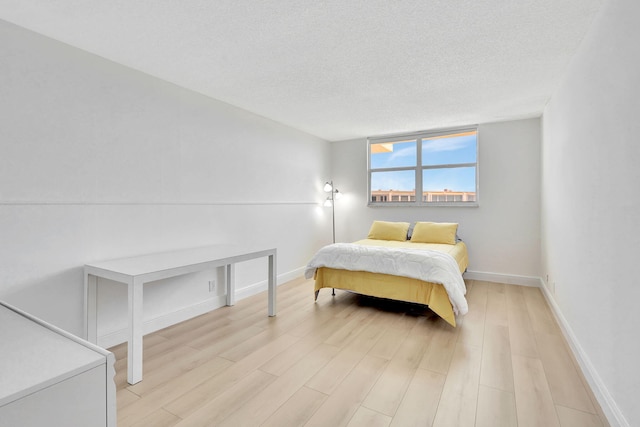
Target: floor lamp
x: 334, y: 195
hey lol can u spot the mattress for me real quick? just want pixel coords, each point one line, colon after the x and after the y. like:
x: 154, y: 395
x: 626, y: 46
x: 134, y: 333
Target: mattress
x: 397, y: 287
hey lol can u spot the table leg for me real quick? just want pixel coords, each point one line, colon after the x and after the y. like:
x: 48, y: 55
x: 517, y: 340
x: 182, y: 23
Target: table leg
x: 134, y: 346
x: 90, y: 308
x: 231, y: 284
x: 272, y: 285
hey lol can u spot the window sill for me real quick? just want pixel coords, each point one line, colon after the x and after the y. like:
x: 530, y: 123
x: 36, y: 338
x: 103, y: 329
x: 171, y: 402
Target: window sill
x: 424, y: 205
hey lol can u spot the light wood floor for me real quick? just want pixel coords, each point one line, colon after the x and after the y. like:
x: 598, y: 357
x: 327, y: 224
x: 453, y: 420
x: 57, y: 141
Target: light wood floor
x: 358, y: 361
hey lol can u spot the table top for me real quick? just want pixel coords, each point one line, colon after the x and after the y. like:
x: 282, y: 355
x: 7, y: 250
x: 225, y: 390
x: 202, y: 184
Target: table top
x: 33, y: 356
x: 150, y: 263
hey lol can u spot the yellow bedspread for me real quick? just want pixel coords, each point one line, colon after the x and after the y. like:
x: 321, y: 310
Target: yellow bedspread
x: 397, y: 287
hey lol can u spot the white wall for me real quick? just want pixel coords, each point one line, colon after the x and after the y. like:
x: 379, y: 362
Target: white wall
x: 99, y: 161
x: 502, y: 234
x: 591, y: 208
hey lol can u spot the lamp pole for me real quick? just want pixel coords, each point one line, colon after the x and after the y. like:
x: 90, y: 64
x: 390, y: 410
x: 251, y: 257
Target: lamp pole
x: 333, y: 213
x: 328, y: 188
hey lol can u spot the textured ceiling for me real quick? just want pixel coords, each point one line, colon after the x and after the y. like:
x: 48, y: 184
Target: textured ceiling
x: 337, y: 69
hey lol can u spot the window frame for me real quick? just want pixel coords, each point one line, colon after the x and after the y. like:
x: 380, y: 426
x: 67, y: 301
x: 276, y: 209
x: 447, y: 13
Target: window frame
x: 418, y: 168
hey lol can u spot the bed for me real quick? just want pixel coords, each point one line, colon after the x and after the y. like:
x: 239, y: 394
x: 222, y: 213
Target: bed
x: 423, y: 265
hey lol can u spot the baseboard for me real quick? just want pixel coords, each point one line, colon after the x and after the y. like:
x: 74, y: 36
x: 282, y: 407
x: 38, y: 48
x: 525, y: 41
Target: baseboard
x: 600, y: 391
x: 118, y: 337
x: 509, y: 279
x: 160, y: 322
x: 261, y: 286
x: 606, y: 401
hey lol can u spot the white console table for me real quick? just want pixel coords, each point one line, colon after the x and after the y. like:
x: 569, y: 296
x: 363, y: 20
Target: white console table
x: 49, y: 377
x: 136, y: 271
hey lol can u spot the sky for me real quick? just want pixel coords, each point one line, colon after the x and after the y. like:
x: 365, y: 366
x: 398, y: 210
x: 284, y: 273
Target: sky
x: 453, y: 150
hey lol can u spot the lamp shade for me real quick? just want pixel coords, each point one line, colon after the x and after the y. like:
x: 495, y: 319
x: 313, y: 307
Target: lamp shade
x: 328, y: 187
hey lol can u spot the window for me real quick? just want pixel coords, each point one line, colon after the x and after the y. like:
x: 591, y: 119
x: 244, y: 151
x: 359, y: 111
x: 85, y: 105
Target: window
x: 441, y: 166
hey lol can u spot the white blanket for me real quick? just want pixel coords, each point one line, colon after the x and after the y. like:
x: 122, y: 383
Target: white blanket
x: 426, y: 265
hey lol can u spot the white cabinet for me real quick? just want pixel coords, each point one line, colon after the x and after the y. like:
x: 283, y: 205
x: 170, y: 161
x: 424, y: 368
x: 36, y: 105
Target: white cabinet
x: 49, y: 377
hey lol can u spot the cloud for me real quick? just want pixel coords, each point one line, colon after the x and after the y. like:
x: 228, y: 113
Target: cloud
x: 445, y: 144
x: 403, y: 152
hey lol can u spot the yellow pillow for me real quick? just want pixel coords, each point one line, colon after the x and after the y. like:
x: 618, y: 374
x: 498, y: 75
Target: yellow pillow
x: 383, y: 230
x: 435, y: 232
